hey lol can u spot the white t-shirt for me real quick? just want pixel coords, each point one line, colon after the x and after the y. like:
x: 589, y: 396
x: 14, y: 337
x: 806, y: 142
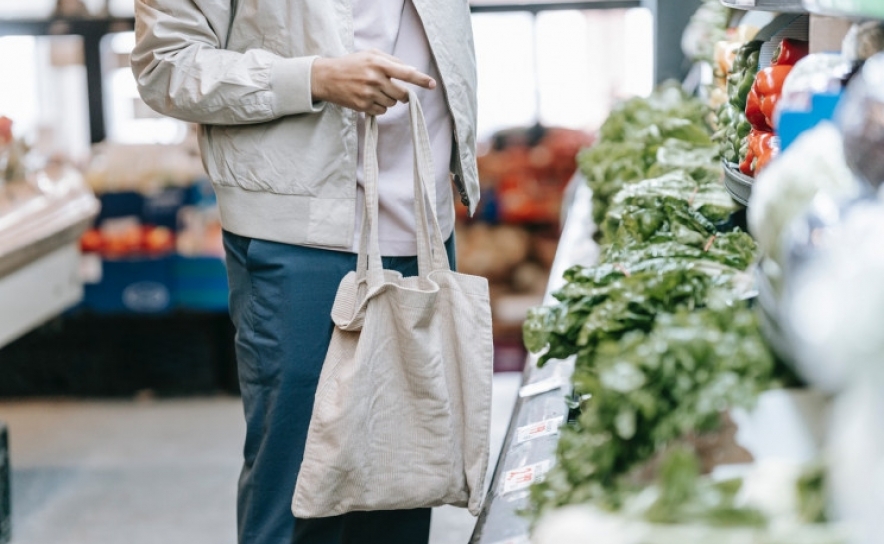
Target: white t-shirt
x: 394, y: 27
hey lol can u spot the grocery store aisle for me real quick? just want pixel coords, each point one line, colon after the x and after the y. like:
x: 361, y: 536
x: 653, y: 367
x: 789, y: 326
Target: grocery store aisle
x: 145, y: 471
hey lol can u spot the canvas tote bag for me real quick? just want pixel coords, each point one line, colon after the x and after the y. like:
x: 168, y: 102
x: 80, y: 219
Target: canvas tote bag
x: 402, y: 411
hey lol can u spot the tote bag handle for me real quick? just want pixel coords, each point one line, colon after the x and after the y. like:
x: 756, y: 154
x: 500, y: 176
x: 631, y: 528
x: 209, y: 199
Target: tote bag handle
x: 431, y: 252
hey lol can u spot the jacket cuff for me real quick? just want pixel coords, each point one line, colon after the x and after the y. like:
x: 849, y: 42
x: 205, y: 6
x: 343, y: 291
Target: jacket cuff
x: 291, y: 88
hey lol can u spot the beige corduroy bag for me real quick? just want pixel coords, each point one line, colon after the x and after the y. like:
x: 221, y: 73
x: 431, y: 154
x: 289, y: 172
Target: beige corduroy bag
x: 402, y: 412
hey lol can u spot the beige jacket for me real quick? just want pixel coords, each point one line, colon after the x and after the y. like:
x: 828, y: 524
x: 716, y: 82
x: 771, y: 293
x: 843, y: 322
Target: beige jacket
x: 284, y: 168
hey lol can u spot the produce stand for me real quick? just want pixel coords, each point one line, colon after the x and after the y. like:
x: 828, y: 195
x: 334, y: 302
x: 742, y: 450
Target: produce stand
x: 39, y: 257
x: 530, y: 443
x: 784, y: 418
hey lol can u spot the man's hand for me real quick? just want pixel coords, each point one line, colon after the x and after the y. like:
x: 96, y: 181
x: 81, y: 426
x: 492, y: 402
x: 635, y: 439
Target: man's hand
x: 364, y: 81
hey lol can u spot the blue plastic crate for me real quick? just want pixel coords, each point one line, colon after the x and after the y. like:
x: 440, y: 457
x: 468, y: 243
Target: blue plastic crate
x: 161, y: 209
x: 120, y: 204
x: 201, y: 283
x: 138, y: 285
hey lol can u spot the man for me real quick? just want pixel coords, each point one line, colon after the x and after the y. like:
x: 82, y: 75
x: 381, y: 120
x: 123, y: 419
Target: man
x: 280, y: 89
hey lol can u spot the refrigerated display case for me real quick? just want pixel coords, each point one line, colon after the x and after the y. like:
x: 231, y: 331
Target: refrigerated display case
x: 41, y: 221
x: 786, y: 432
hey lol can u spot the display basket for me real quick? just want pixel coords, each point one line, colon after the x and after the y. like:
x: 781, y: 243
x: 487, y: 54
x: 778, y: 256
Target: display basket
x: 738, y: 184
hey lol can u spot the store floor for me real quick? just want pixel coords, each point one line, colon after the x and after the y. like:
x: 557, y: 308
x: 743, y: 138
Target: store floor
x: 151, y: 471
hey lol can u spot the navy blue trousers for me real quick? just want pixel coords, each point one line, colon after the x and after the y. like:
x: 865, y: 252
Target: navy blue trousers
x: 280, y: 303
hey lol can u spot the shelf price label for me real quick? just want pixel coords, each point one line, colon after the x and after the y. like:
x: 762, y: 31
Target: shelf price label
x: 547, y: 427
x: 522, y: 478
x: 543, y: 386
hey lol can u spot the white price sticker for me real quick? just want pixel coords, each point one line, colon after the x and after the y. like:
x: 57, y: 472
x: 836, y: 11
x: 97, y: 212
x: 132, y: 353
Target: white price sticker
x: 543, y: 386
x: 522, y: 478
x: 546, y: 427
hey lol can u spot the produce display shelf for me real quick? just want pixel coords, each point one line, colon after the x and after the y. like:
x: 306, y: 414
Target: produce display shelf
x: 39, y: 254
x: 530, y: 445
x: 44, y: 223
x: 738, y: 184
x: 782, y: 6
x: 491, y: 6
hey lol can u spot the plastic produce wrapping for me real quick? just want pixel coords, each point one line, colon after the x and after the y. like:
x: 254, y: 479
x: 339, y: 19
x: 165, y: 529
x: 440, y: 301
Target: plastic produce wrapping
x: 814, y: 164
x: 863, y: 41
x: 861, y: 119
x: 819, y: 73
x: 834, y: 306
x: 834, y: 309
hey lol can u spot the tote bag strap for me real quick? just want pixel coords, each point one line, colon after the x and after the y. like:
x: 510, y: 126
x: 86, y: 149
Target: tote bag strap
x: 369, y: 260
x: 430, y: 245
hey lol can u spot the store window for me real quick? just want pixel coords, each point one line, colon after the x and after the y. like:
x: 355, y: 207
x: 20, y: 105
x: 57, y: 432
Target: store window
x: 546, y: 68
x: 129, y: 119
x: 47, y: 100
x: 41, y: 9
x: 542, y: 68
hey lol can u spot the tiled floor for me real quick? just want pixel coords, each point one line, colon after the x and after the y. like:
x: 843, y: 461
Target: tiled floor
x: 151, y: 472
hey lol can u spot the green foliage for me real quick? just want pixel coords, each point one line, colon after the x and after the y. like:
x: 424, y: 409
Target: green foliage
x: 812, y: 494
x: 662, y: 343
x: 645, y: 138
x: 685, y: 497
x: 646, y: 390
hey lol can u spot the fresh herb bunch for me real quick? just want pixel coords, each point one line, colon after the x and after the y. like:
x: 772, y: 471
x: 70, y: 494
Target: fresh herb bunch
x: 644, y: 391
x: 607, y: 301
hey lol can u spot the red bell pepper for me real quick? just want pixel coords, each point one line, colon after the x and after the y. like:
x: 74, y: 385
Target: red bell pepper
x: 753, y: 112
x: 767, y: 89
x: 761, y: 152
x: 789, y: 52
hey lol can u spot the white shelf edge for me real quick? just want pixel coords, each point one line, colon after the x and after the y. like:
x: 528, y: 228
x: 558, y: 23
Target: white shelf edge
x: 781, y: 6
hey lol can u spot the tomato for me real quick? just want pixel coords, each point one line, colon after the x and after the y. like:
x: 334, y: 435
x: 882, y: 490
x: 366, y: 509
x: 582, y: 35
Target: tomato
x: 91, y: 241
x: 158, y: 240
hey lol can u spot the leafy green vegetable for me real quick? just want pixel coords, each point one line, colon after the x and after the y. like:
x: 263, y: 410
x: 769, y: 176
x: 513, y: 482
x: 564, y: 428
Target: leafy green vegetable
x: 685, y: 497
x: 734, y: 249
x: 610, y: 300
x: 812, y: 494
x: 647, y: 390
x: 703, y: 191
x: 662, y: 344
x: 666, y: 103
x: 653, y: 218
x: 644, y: 138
